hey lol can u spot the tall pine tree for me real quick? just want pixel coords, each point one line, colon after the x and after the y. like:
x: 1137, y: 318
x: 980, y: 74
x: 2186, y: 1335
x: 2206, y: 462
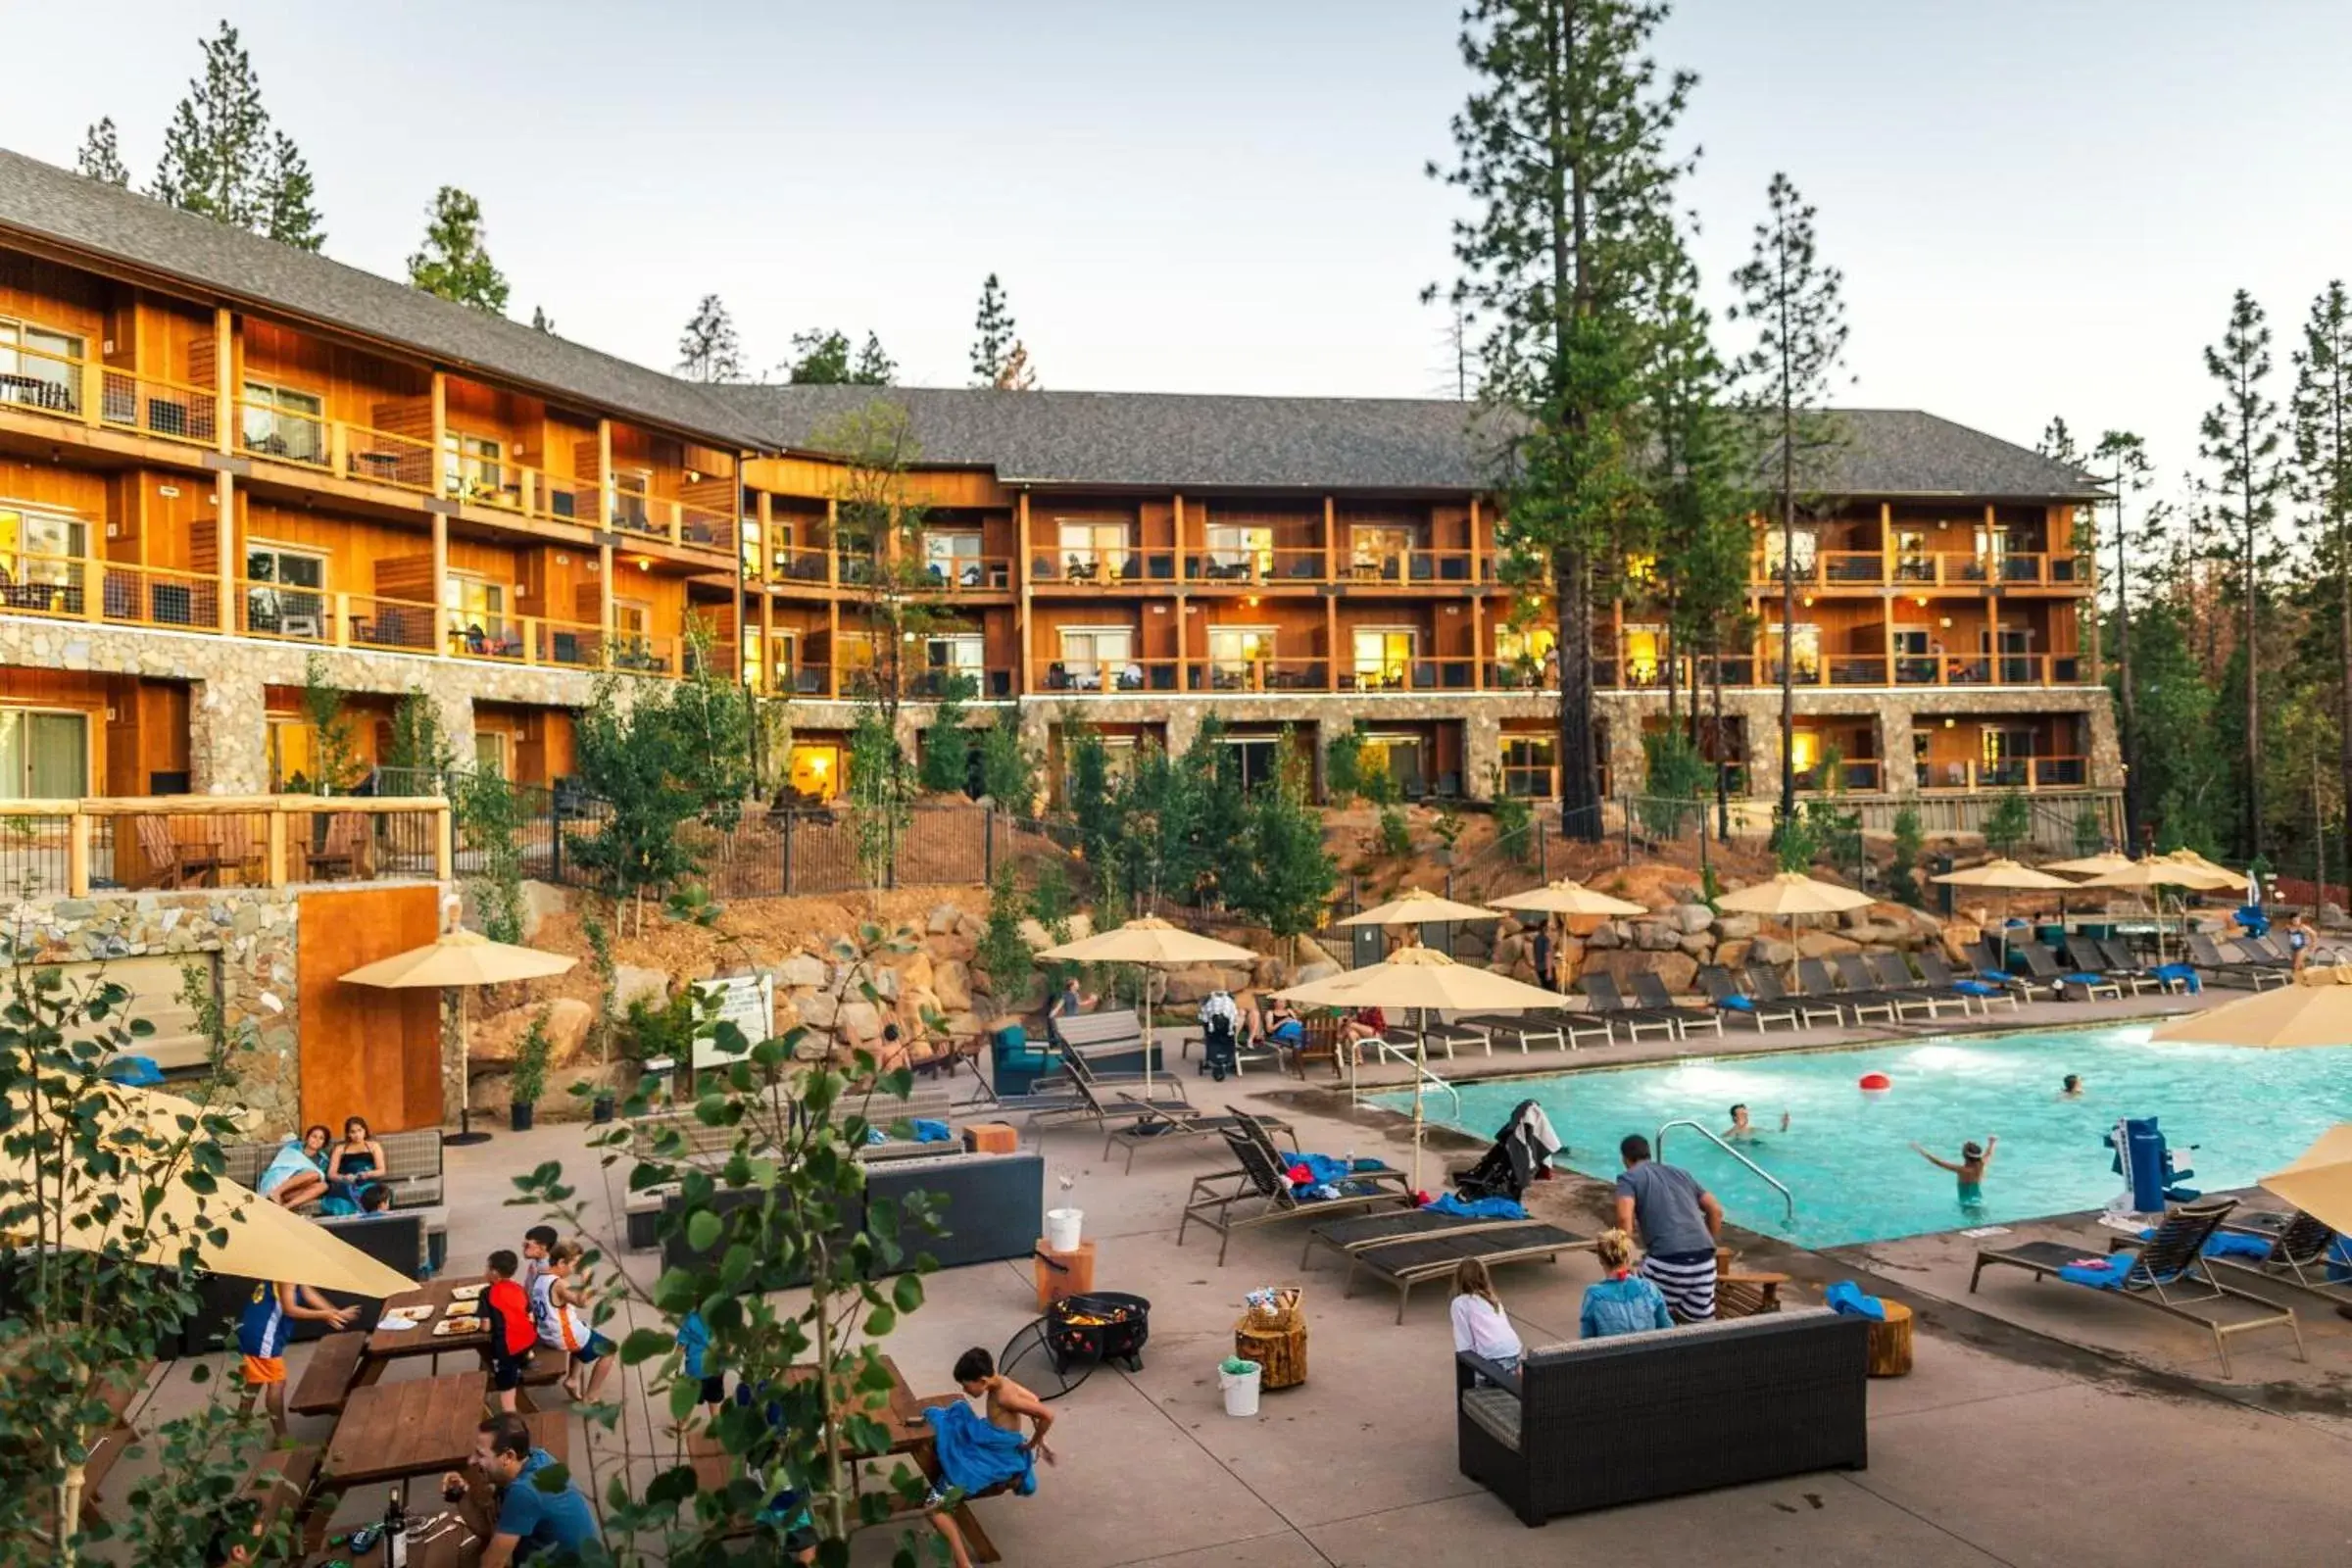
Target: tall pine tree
x: 101, y: 155
x: 994, y: 335
x: 1562, y: 151
x: 872, y: 366
x: 1795, y: 304
x: 2241, y: 438
x: 708, y: 348
x: 2122, y: 459
x: 222, y: 157
x: 454, y: 264
x: 2322, y: 417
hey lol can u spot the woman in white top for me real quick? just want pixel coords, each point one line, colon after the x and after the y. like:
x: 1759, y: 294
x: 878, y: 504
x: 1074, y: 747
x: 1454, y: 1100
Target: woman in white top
x: 1480, y: 1324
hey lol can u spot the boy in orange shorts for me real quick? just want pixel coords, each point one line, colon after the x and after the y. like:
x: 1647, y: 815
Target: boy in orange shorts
x: 263, y: 1329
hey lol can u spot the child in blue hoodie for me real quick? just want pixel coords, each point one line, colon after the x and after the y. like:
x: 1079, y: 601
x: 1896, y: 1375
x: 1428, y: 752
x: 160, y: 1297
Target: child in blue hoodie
x: 1622, y: 1302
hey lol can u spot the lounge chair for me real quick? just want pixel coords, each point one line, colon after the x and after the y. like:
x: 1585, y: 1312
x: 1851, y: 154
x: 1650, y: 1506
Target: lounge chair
x: 1764, y: 984
x: 2120, y: 961
x: 1573, y: 1023
x: 1813, y: 981
x: 1650, y: 992
x: 1937, y: 972
x: 1524, y: 1030
x: 1408, y: 1260
x: 1601, y: 991
x: 1739, y: 1005
x: 2302, y: 1254
x: 2168, y: 1272
x: 2042, y: 965
x: 1349, y: 1237
x: 1258, y: 1193
x: 1403, y: 1039
x: 1992, y: 971
x: 1894, y: 975
x: 1859, y: 978
x: 1158, y: 1124
x: 2084, y: 955
x: 2211, y: 962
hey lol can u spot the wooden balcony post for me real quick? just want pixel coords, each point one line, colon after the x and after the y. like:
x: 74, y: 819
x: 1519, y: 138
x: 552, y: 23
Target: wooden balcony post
x: 603, y: 605
x: 440, y: 395
x: 833, y: 640
x: 440, y: 583
x: 339, y: 447
x: 1478, y: 623
x: 1176, y: 533
x: 77, y: 855
x: 1020, y: 607
x: 445, y: 849
x: 1331, y: 540
x: 604, y: 480
x: 93, y: 390
x: 677, y: 522
x: 93, y: 589
x: 1992, y: 636
x: 225, y: 383
x: 275, y: 866
x: 224, y: 540
x: 832, y: 542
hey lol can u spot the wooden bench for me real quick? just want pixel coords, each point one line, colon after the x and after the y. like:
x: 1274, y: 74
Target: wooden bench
x: 333, y: 1371
x: 1321, y: 1044
x: 280, y: 1479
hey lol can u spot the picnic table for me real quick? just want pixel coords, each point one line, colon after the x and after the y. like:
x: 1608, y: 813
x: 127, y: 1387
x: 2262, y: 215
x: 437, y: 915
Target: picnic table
x: 388, y: 1345
x: 416, y: 1429
x: 901, y: 1415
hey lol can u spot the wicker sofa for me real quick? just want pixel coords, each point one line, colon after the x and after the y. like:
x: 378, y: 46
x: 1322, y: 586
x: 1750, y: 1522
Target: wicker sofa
x: 992, y: 1207
x: 412, y: 1165
x: 1594, y: 1423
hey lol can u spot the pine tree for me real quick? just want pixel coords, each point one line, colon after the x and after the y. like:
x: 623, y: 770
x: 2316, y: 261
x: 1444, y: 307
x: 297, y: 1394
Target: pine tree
x: 872, y: 366
x: 1018, y: 374
x: 2124, y: 458
x: 1795, y: 304
x: 290, y: 217
x: 223, y: 160
x: 708, y: 349
x: 454, y: 263
x: 1561, y: 148
x: 2322, y: 415
x: 541, y: 321
x: 101, y: 155
x: 2240, y: 437
x: 993, y: 335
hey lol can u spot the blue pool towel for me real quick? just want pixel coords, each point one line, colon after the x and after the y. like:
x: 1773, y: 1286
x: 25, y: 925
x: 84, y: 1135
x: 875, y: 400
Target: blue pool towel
x: 1738, y: 1004
x: 927, y: 1131
x: 2087, y: 980
x: 1846, y: 1296
x: 2226, y: 1244
x: 1993, y: 974
x: 2102, y: 1274
x: 1977, y: 988
x: 974, y: 1455
x: 133, y: 1072
x: 2339, y: 1260
x: 2180, y: 971
x: 1476, y: 1207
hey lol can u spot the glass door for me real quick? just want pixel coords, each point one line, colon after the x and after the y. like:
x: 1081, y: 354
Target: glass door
x: 285, y: 591
x: 1384, y: 656
x: 1238, y: 655
x: 43, y: 755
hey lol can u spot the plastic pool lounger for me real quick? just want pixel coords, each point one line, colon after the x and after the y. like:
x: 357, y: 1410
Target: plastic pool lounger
x: 1406, y: 1263
x: 1349, y: 1237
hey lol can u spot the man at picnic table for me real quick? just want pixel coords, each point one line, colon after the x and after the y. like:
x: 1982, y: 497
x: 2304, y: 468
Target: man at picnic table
x: 526, y: 1520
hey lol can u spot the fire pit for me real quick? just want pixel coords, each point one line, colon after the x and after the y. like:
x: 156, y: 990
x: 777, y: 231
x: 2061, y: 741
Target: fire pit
x: 1105, y: 1326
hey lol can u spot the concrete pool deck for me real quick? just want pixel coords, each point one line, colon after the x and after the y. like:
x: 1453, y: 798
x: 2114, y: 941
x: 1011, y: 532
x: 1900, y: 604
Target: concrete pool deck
x: 2033, y: 1430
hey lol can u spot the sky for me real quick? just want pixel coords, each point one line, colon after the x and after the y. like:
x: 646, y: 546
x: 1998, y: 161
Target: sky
x: 2040, y: 207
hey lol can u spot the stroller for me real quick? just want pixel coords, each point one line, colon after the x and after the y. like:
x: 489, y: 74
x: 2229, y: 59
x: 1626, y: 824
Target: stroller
x: 1521, y: 1155
x: 1219, y: 1053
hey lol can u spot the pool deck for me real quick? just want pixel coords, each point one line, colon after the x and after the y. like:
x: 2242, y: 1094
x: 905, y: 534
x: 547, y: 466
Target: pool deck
x: 2035, y: 1428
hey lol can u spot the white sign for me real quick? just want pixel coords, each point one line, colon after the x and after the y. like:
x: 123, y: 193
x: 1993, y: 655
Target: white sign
x: 746, y: 1000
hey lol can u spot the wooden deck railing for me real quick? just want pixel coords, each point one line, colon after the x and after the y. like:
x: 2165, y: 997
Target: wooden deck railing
x: 73, y: 847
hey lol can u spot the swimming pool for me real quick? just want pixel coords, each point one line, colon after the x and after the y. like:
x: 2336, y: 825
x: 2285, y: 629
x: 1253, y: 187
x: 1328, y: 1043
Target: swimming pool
x: 1847, y: 1155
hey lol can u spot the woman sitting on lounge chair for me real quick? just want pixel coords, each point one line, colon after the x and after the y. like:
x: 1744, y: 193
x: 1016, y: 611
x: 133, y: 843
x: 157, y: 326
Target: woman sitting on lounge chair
x: 1365, y: 1023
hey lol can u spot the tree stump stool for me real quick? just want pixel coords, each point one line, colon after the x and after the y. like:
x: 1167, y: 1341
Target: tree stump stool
x: 1890, y: 1342
x: 1280, y: 1352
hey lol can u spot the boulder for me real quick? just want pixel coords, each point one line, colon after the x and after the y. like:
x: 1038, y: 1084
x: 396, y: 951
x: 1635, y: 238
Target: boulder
x: 1738, y: 927
x: 1678, y: 970
x: 859, y: 1021
x: 1732, y: 953
x: 1193, y: 983
x: 539, y: 901
x: 1268, y: 973
x: 954, y: 983
x: 1693, y: 917
x: 942, y: 919
x: 633, y: 981
x: 819, y: 1009
x: 1320, y: 969
x: 917, y: 1004
x: 970, y: 927
x: 913, y: 970
x: 1509, y: 950
x: 1655, y: 936
x: 1605, y: 935
x: 1698, y: 946
x: 803, y: 971
x: 1824, y: 945
x: 1306, y: 951
x: 1771, y: 950
x: 497, y: 1037
x: 886, y: 984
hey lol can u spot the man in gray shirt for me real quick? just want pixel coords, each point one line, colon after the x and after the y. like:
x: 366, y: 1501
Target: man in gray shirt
x: 1677, y: 1221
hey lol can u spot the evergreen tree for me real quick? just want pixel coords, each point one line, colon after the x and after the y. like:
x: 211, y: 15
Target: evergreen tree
x: 222, y: 157
x: 1562, y: 151
x: 821, y: 357
x: 1796, y: 306
x: 994, y: 335
x: 1007, y: 770
x: 872, y: 366
x: 454, y: 263
x: 2181, y: 770
x: 1291, y: 875
x: 2240, y: 437
x: 708, y: 348
x: 2323, y: 419
x: 541, y: 321
x: 943, y: 762
x: 101, y: 155
x: 2124, y: 458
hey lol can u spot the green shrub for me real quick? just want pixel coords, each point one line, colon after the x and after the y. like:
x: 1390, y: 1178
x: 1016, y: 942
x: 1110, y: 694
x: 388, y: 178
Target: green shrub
x: 1901, y: 870
x: 1342, y: 767
x: 1396, y: 837
x: 2009, y: 823
x: 531, y: 1057
x: 1514, y: 821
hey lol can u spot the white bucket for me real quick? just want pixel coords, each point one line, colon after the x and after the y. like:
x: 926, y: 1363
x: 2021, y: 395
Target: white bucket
x: 1241, y: 1389
x: 1061, y: 1228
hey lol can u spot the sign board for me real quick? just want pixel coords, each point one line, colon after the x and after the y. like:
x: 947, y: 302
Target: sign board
x: 746, y: 1000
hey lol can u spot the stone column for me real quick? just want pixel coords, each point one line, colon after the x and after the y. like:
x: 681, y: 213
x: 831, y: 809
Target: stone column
x: 1897, y: 775
x: 1628, y: 768
x: 228, y: 752
x: 1184, y: 724
x: 1760, y: 722
x: 2106, y: 750
x: 1482, y: 754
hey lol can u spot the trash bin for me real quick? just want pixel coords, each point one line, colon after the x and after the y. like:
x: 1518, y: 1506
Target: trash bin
x: 1063, y: 1226
x: 1239, y: 1379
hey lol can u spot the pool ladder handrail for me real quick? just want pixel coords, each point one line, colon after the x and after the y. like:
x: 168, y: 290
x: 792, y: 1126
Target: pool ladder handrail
x: 1388, y: 1051
x: 1715, y: 1137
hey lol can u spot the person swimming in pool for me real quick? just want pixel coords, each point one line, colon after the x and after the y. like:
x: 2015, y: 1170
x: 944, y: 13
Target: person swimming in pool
x: 2072, y: 1088
x: 1974, y: 1157
x: 1743, y: 1131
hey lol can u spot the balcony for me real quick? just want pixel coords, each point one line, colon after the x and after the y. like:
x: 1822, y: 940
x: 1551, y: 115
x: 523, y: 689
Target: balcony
x: 90, y: 393
x: 966, y: 574
x: 1075, y: 568
x: 169, y: 842
x: 1833, y: 569
x: 2006, y: 774
x: 1407, y: 568
x: 1275, y: 568
x: 635, y: 509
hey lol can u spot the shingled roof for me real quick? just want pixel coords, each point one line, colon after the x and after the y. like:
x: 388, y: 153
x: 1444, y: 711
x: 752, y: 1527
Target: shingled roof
x: 103, y: 220
x: 1174, y: 441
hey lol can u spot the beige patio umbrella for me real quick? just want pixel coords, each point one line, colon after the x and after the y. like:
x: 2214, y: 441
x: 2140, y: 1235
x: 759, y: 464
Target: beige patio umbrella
x: 2316, y: 1013
x: 2320, y: 1181
x: 1567, y: 896
x: 1418, y: 980
x: 2160, y: 871
x: 2099, y: 864
x: 2006, y: 876
x: 1419, y: 907
x: 1153, y: 944
x: 460, y: 961
x: 234, y: 1230
x: 1789, y: 893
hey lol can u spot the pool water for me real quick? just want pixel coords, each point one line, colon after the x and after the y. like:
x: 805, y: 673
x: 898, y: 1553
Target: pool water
x: 1847, y: 1155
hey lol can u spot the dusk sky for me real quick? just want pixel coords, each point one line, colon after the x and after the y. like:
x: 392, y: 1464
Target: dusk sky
x: 2041, y: 208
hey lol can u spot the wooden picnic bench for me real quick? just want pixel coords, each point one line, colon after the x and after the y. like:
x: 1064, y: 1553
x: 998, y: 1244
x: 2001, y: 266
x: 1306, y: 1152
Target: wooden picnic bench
x: 335, y: 1364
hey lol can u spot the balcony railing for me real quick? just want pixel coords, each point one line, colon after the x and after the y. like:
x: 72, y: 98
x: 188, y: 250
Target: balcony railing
x: 1926, y: 569
x: 681, y: 523
x: 88, y: 392
x: 1274, y: 567
x: 966, y: 574
x: 1405, y: 567
x: 2006, y: 774
x: 66, y: 848
x: 1859, y: 774
x: 1109, y: 677
x: 1092, y: 568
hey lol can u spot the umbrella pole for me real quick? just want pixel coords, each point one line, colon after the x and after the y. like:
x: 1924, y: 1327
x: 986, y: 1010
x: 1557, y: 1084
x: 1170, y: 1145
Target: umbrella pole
x: 464, y: 1135
x: 1420, y: 1076
x: 1146, y: 988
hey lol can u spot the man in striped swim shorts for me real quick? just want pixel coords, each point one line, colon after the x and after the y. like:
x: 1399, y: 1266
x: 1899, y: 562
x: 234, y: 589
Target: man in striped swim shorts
x: 1677, y: 1221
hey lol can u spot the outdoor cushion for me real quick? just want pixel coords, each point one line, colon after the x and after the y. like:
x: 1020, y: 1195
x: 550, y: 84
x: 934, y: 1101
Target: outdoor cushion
x: 1496, y: 1410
